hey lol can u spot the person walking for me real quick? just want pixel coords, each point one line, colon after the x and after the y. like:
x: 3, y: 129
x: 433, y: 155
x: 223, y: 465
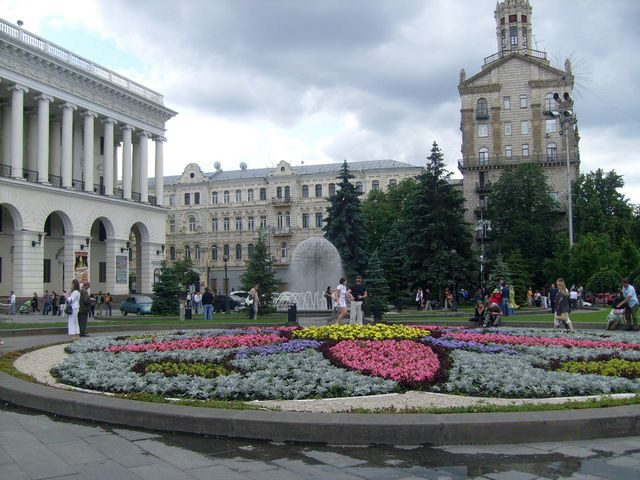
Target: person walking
x: 254, y: 303
x: 72, y: 307
x: 12, y: 303
x: 427, y: 300
x: 327, y: 297
x: 553, y: 292
x: 341, y: 300
x: 448, y: 299
x: 108, y: 300
x: 512, y: 301
x: 419, y: 298
x: 630, y: 304
x: 504, y: 306
x: 100, y: 303
x: 196, y: 302
x: 62, y: 302
x: 207, y: 304
x: 84, y: 307
x: 563, y: 306
x: 573, y: 298
x: 54, y: 303
x: 92, y: 307
x: 34, y: 303
x: 46, y: 308
x: 357, y: 295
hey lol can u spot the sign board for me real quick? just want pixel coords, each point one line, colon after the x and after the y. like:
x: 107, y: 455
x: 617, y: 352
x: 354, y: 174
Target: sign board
x: 122, y: 267
x: 81, y: 266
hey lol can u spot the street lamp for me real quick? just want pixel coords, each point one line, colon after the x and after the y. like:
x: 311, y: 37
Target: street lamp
x: 483, y: 228
x: 225, y: 259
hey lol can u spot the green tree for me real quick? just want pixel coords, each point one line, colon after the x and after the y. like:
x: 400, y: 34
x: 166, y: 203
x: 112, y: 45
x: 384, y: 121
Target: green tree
x: 377, y: 288
x: 394, y: 258
x: 629, y: 259
x: 607, y: 281
x: 438, y: 242
x: 522, y: 213
x: 377, y: 217
x: 558, y: 264
x: 520, y: 277
x: 591, y: 254
x: 499, y: 270
x: 166, y: 292
x: 260, y: 272
x: 185, y: 274
x: 344, y: 225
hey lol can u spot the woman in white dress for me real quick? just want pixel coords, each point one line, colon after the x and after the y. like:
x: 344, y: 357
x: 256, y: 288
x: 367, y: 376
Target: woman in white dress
x: 341, y: 297
x: 74, y: 301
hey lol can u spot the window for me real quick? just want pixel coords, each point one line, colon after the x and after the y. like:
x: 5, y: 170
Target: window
x: 318, y: 191
x: 225, y: 196
x: 550, y: 126
x: 305, y: 220
x: 287, y: 219
x: 196, y: 252
x: 214, y: 252
x: 251, y: 223
x: 172, y: 200
x: 513, y: 18
x: 46, y: 272
x: 225, y: 251
x: 483, y: 130
x: 172, y: 225
x: 524, y: 18
x: 102, y: 272
x: 375, y: 185
x: 482, y: 109
x: 507, y: 151
x: 483, y: 156
x: 524, y: 127
x: 225, y: 224
x: 214, y: 224
x: 192, y: 224
x: 506, y: 103
x: 196, y: 198
x: 238, y: 251
x: 279, y: 192
x: 250, y: 250
x: 287, y: 192
x: 552, y: 152
x: 332, y: 189
x: 504, y: 39
x: 318, y: 219
x: 214, y: 198
x: 263, y: 221
x: 263, y: 193
x: 549, y: 102
x: 507, y: 128
x: 393, y: 182
x: 284, y: 250
x: 305, y: 191
x: 523, y: 101
x: 238, y: 196
x: 187, y: 251
x: 359, y: 187
x: 513, y: 34
x: 524, y: 35
x: 101, y: 145
x: 238, y: 224
x: 280, y: 220
x: 250, y: 195
x: 187, y: 199
x: 525, y: 150
x: 172, y: 252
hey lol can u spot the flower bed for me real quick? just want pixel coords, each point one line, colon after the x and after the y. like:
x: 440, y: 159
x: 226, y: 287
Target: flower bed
x: 331, y: 361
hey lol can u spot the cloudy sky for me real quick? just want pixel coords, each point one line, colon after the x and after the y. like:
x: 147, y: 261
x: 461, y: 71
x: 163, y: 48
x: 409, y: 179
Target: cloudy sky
x: 317, y: 81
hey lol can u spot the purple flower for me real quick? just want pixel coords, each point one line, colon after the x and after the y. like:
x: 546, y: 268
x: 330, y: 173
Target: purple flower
x: 293, y: 346
x: 474, y: 346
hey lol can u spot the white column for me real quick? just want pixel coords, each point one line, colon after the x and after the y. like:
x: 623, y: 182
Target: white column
x: 55, y: 147
x: 159, y: 170
x: 107, y: 161
x: 145, y: 266
x: 135, y: 168
x: 67, y: 144
x: 6, y: 133
x: 32, y: 140
x: 27, y: 264
x: 143, y: 140
x: 115, y: 165
x: 43, y: 137
x: 126, y: 161
x: 76, y: 157
x: 17, y: 129
x: 87, y: 169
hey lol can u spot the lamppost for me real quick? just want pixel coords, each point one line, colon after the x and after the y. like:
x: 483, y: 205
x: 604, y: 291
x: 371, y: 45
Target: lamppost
x: 225, y: 259
x: 483, y: 228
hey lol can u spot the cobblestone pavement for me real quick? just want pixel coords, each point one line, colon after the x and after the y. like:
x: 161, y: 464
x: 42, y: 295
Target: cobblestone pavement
x: 36, y: 446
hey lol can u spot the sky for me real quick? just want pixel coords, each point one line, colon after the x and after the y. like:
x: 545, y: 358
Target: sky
x: 259, y: 81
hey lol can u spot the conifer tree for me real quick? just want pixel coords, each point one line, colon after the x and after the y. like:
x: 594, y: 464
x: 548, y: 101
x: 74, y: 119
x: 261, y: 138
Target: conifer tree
x: 260, y: 272
x: 344, y: 225
x: 520, y: 276
x: 377, y: 288
x: 394, y: 260
x: 499, y: 270
x: 166, y: 292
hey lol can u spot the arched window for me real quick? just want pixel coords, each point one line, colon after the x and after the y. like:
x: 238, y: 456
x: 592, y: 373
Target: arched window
x: 483, y: 156
x: 250, y: 195
x: 287, y: 219
x: 238, y: 252
x: 359, y: 187
x: 318, y: 190
x: 214, y: 197
x: 263, y: 193
x: 287, y: 192
x: 549, y: 102
x: 214, y: 224
x: 284, y: 251
x: 393, y: 182
x: 196, y: 252
x: 482, y: 109
x: 279, y: 192
x: 250, y: 249
x: 214, y: 253
x: 238, y: 196
x: 192, y: 224
x: 187, y: 251
x: 280, y: 220
x: 172, y: 252
x: 552, y: 152
x: 305, y: 191
x: 225, y: 196
x: 332, y: 189
x: 375, y: 185
x: 225, y: 250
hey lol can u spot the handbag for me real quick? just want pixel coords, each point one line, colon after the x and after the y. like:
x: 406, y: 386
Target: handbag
x: 67, y: 309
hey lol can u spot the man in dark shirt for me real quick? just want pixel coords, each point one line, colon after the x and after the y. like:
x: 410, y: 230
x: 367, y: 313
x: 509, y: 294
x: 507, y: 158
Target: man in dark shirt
x: 357, y: 295
x: 207, y: 304
x: 505, y: 300
x: 553, y: 293
x: 84, y: 307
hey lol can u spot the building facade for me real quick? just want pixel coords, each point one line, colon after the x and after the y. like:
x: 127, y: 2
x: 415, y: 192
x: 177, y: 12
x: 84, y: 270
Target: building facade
x: 509, y: 115
x: 217, y: 215
x: 75, y: 143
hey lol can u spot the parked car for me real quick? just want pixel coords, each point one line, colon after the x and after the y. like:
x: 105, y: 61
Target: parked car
x: 139, y: 304
x: 239, y: 296
x: 219, y: 303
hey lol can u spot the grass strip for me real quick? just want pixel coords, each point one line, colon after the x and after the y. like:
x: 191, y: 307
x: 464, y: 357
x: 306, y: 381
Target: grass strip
x: 228, y: 404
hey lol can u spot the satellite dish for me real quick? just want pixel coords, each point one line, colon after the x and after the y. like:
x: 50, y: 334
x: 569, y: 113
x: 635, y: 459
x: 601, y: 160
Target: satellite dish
x: 243, y: 166
x: 217, y: 165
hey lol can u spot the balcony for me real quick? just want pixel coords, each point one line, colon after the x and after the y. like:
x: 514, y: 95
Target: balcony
x: 281, y: 201
x: 482, y: 115
x: 30, y: 175
x: 498, y: 161
x: 282, y: 232
x: 527, y: 52
x: 485, y: 187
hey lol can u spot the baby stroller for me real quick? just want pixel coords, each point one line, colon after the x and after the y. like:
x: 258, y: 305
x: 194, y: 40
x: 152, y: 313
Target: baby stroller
x: 615, y: 318
x: 492, y: 316
x: 25, y: 307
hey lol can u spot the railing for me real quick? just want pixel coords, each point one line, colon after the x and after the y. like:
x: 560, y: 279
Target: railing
x: 99, y: 189
x: 475, y: 162
x: 55, y: 180
x: 482, y: 115
x: 523, y: 51
x: 118, y: 193
x: 281, y: 201
x: 77, y: 185
x: 5, y: 170
x: 30, y: 175
x: 483, y: 187
x: 135, y: 196
x: 152, y: 199
x: 282, y: 232
x: 60, y: 53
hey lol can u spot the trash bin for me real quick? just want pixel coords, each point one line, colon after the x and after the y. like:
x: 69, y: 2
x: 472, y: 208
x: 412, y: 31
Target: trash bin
x: 187, y: 312
x: 377, y: 313
x: 292, y: 313
x: 182, y: 311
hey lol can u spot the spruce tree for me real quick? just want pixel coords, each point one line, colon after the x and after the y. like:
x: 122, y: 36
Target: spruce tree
x: 344, y: 225
x: 394, y: 259
x: 499, y: 270
x: 520, y: 276
x: 437, y: 240
x: 377, y: 288
x: 260, y: 272
x: 166, y: 292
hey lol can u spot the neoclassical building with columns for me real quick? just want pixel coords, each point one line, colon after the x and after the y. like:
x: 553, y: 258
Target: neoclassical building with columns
x: 75, y: 145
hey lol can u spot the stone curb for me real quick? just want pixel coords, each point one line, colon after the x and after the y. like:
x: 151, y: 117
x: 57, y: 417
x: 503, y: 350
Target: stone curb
x: 330, y: 428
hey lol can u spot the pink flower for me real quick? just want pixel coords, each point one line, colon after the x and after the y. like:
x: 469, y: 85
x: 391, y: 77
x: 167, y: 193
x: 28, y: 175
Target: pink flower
x: 538, y: 341
x: 233, y: 341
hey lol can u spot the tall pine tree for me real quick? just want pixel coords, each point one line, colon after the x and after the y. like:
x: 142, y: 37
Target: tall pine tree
x: 394, y: 259
x: 166, y: 292
x: 377, y: 288
x: 344, y: 225
x: 260, y: 272
x: 438, y: 242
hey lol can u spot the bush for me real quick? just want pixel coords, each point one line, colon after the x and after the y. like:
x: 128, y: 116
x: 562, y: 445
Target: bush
x: 604, y: 282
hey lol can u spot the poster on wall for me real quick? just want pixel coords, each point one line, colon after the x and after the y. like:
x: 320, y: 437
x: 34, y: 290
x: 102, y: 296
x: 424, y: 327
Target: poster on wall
x: 81, y: 267
x: 122, y: 264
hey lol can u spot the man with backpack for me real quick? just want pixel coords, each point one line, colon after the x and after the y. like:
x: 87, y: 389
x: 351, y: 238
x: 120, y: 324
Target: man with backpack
x: 84, y: 308
x: 107, y: 301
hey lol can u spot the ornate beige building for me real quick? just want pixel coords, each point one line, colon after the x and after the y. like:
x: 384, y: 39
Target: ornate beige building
x: 509, y: 115
x: 213, y: 215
